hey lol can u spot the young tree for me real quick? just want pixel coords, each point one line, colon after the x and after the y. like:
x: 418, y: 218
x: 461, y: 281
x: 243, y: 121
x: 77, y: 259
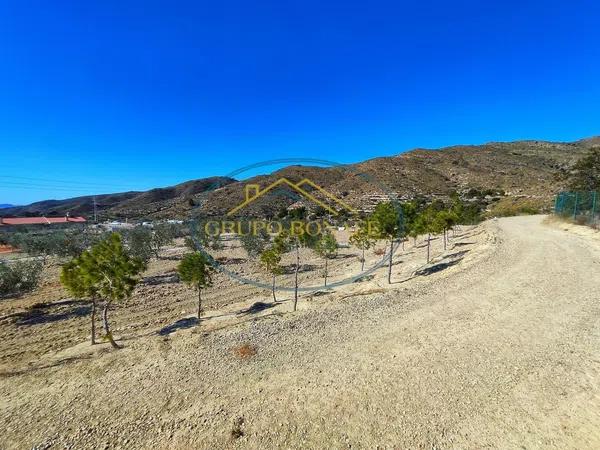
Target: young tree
x: 445, y: 221
x: 138, y: 242
x: 387, y: 220
x: 255, y: 242
x: 363, y: 240
x: 428, y: 222
x: 76, y: 278
x: 19, y: 277
x: 326, y: 247
x: 200, y: 236
x: 286, y: 240
x: 105, y: 271
x: 416, y: 229
x: 195, y: 270
x: 270, y: 259
x: 409, y: 215
x: 163, y: 234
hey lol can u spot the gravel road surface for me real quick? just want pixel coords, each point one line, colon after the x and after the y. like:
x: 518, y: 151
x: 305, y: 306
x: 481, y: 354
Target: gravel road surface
x: 499, y: 351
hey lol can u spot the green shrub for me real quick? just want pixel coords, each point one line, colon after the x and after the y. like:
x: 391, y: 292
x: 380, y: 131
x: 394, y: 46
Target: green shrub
x: 19, y: 277
x: 514, y: 207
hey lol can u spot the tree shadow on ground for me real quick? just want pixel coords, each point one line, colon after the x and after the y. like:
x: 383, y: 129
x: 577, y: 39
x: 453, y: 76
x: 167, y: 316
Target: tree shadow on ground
x: 460, y: 254
x: 224, y: 260
x: 52, y: 312
x: 31, y: 369
x: 181, y: 324
x: 291, y: 268
x: 257, y: 307
x: 434, y: 268
x: 172, y: 257
x: 167, y: 278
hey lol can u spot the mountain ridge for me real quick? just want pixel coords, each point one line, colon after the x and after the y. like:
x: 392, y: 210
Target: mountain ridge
x: 531, y: 168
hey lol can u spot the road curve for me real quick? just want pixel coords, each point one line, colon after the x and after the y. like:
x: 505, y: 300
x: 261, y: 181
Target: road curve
x: 501, y: 352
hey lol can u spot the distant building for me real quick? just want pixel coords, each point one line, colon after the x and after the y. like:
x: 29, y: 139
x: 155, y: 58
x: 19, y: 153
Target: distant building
x: 21, y: 221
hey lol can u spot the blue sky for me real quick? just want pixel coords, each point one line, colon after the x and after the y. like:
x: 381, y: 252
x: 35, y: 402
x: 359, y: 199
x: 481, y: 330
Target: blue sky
x: 114, y: 95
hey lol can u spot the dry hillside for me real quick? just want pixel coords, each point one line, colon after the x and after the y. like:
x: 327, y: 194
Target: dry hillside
x: 533, y: 169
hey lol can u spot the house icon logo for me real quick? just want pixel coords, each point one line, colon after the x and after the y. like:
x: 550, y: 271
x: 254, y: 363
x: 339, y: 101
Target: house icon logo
x: 253, y: 192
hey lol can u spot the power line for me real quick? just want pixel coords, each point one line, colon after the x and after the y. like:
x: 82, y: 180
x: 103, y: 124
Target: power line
x: 60, y: 182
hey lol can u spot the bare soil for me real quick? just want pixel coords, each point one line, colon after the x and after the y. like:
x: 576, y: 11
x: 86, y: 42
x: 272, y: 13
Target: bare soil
x: 494, y: 345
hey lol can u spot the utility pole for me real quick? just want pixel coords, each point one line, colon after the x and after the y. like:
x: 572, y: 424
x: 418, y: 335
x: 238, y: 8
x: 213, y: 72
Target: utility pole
x: 95, y: 211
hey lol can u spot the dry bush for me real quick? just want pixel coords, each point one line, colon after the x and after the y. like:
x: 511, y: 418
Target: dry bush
x: 245, y: 351
x: 379, y: 251
x: 508, y: 207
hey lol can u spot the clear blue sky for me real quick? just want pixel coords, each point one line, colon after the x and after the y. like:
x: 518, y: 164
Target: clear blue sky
x: 102, y: 96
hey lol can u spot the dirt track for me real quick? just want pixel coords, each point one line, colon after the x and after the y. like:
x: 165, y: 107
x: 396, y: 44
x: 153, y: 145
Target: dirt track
x: 499, y: 351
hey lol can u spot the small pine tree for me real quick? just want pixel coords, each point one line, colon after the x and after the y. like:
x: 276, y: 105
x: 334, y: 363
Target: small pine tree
x: 75, y: 277
x: 105, y: 271
x: 363, y: 240
x: 388, y: 222
x: 326, y: 247
x: 270, y: 259
x: 285, y: 241
x: 429, y: 223
x: 195, y: 270
x: 445, y: 221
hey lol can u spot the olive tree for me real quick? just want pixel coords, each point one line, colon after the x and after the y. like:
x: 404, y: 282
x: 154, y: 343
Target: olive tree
x: 19, y: 277
x: 195, y: 270
x: 163, y: 234
x: 255, y: 241
x: 138, y: 243
x: 201, y: 237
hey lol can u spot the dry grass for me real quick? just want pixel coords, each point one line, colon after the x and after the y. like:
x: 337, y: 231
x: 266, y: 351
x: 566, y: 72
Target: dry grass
x: 510, y: 206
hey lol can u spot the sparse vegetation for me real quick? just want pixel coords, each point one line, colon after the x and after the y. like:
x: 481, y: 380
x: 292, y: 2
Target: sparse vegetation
x: 199, y: 237
x: 326, y: 246
x: 254, y: 241
x: 106, y: 271
x: 270, y: 259
x: 362, y: 239
x: 19, y: 277
x: 508, y: 207
x: 388, y: 222
x: 586, y: 172
x: 195, y: 270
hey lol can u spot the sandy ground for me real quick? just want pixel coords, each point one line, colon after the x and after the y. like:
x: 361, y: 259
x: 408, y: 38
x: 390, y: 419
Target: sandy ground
x: 495, y: 345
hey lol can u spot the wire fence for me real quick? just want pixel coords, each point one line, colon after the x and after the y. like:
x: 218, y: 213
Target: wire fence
x: 582, y: 207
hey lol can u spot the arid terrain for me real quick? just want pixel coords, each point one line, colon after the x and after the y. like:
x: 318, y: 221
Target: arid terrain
x: 523, y: 169
x: 496, y: 344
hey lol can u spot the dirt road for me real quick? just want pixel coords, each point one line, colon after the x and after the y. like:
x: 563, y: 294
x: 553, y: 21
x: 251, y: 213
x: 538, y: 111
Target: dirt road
x: 500, y: 351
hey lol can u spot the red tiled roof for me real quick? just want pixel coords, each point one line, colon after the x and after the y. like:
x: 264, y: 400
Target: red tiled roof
x: 39, y: 220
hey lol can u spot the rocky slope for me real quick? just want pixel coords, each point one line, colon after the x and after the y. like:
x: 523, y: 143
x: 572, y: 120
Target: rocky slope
x: 535, y: 169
